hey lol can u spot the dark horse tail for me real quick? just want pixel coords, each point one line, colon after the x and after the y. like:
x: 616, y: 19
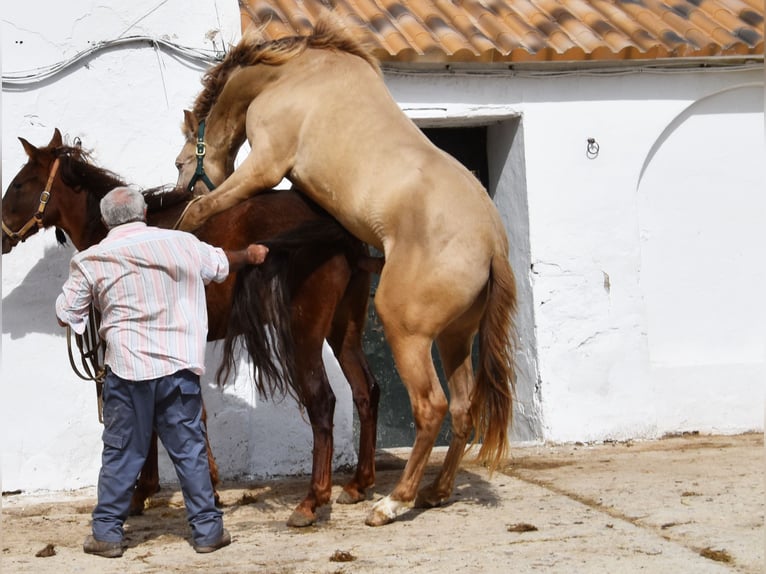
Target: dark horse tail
x: 492, y: 402
x: 260, y: 318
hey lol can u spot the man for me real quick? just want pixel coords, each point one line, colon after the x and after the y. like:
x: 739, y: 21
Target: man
x: 148, y: 284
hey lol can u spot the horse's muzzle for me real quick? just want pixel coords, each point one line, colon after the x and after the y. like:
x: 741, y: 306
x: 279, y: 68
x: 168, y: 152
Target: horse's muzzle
x: 8, y: 243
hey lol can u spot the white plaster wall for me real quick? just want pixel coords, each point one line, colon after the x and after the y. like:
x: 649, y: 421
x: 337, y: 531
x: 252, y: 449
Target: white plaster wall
x: 589, y: 296
x: 126, y: 105
x: 592, y: 298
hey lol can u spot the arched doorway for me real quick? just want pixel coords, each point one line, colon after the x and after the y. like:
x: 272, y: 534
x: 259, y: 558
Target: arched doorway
x: 701, y: 207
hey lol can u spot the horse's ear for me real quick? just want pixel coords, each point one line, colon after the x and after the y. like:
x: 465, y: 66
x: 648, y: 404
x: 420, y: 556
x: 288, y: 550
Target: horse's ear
x: 190, y: 122
x: 28, y: 147
x: 56, y: 140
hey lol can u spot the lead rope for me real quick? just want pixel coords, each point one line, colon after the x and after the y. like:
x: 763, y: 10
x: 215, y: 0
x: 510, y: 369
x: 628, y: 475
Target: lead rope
x: 192, y: 201
x: 92, y: 350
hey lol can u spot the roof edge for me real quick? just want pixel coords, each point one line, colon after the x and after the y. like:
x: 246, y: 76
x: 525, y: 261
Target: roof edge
x: 665, y: 64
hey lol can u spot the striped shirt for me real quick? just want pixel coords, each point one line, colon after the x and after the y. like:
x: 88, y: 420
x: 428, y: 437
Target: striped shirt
x: 149, y: 285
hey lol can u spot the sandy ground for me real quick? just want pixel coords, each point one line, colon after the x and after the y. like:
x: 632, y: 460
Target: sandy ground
x: 686, y: 504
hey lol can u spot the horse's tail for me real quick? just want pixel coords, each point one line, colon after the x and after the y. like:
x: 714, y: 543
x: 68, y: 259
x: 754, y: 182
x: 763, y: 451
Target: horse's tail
x: 259, y: 323
x: 260, y: 320
x: 492, y: 402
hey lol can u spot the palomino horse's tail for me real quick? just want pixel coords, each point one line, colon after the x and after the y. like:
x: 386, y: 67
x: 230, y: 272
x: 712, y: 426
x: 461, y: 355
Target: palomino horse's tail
x: 492, y: 404
x: 260, y: 317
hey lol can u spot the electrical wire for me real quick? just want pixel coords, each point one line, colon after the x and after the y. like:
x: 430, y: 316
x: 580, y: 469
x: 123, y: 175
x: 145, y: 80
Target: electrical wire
x: 27, y: 78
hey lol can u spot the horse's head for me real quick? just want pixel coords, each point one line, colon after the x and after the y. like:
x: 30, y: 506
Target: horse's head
x: 25, y: 203
x: 58, y: 186
x: 196, y: 173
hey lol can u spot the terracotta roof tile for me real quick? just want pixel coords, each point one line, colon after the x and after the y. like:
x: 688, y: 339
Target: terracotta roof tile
x: 433, y: 31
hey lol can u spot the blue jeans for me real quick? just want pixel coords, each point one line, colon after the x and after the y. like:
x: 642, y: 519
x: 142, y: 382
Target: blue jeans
x: 172, y: 405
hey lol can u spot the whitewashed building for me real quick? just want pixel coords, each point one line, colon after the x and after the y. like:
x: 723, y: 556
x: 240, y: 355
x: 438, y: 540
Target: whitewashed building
x: 626, y: 160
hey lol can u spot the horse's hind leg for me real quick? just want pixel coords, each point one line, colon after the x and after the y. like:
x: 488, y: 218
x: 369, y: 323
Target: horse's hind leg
x: 412, y: 354
x: 319, y: 401
x: 416, y: 308
x: 455, y: 352
x: 148, y: 483
x: 366, y: 396
x: 214, y: 478
x: 346, y: 342
x: 313, y: 307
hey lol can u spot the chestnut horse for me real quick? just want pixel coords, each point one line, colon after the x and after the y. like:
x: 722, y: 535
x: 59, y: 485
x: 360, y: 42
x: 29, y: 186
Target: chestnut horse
x: 315, y: 109
x: 328, y: 295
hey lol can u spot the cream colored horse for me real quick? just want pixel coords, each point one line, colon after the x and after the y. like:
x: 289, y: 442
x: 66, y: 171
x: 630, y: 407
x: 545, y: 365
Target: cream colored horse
x: 315, y: 109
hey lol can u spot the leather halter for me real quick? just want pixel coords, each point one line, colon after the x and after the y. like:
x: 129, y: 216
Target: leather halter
x: 37, y: 218
x: 199, y: 173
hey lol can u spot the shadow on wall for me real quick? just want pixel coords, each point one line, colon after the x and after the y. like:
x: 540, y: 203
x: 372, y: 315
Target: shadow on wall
x: 250, y: 437
x: 30, y: 306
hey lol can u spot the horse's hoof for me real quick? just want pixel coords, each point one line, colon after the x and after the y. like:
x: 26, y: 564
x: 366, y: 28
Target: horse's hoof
x: 136, y: 510
x: 385, y: 511
x: 347, y: 497
x: 429, y: 498
x: 300, y: 519
x: 191, y: 218
x: 188, y: 224
x: 377, y: 518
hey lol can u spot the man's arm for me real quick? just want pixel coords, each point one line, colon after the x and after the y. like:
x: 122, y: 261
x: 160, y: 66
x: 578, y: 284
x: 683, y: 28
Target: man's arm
x: 253, y: 254
x: 73, y: 304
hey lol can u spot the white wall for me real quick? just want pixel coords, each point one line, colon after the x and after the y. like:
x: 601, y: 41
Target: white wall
x: 608, y: 355
x: 647, y: 261
x: 126, y: 105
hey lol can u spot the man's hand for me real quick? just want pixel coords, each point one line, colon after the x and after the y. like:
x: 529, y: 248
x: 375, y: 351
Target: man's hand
x: 253, y: 254
x: 256, y: 254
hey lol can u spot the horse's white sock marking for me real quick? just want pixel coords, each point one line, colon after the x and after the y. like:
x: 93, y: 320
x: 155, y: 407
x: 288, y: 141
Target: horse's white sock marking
x: 391, y: 508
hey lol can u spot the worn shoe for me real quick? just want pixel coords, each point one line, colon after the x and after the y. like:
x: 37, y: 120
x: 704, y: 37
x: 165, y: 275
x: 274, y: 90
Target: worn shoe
x: 224, y: 540
x: 99, y: 548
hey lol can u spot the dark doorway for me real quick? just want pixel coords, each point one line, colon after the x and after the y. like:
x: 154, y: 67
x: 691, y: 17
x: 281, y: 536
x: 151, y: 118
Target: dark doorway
x: 396, y: 427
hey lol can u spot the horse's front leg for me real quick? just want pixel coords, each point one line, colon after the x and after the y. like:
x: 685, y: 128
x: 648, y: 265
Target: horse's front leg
x: 247, y: 180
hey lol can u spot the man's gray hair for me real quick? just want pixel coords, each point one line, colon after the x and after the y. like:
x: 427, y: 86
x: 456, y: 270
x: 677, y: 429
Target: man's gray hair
x: 122, y: 205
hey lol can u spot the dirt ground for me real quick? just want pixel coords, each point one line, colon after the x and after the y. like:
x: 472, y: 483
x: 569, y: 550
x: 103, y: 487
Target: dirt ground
x: 685, y: 504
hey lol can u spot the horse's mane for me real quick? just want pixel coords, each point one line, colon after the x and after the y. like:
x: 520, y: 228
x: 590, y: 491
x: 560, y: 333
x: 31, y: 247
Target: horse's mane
x: 164, y: 196
x: 328, y: 34
x: 78, y: 171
